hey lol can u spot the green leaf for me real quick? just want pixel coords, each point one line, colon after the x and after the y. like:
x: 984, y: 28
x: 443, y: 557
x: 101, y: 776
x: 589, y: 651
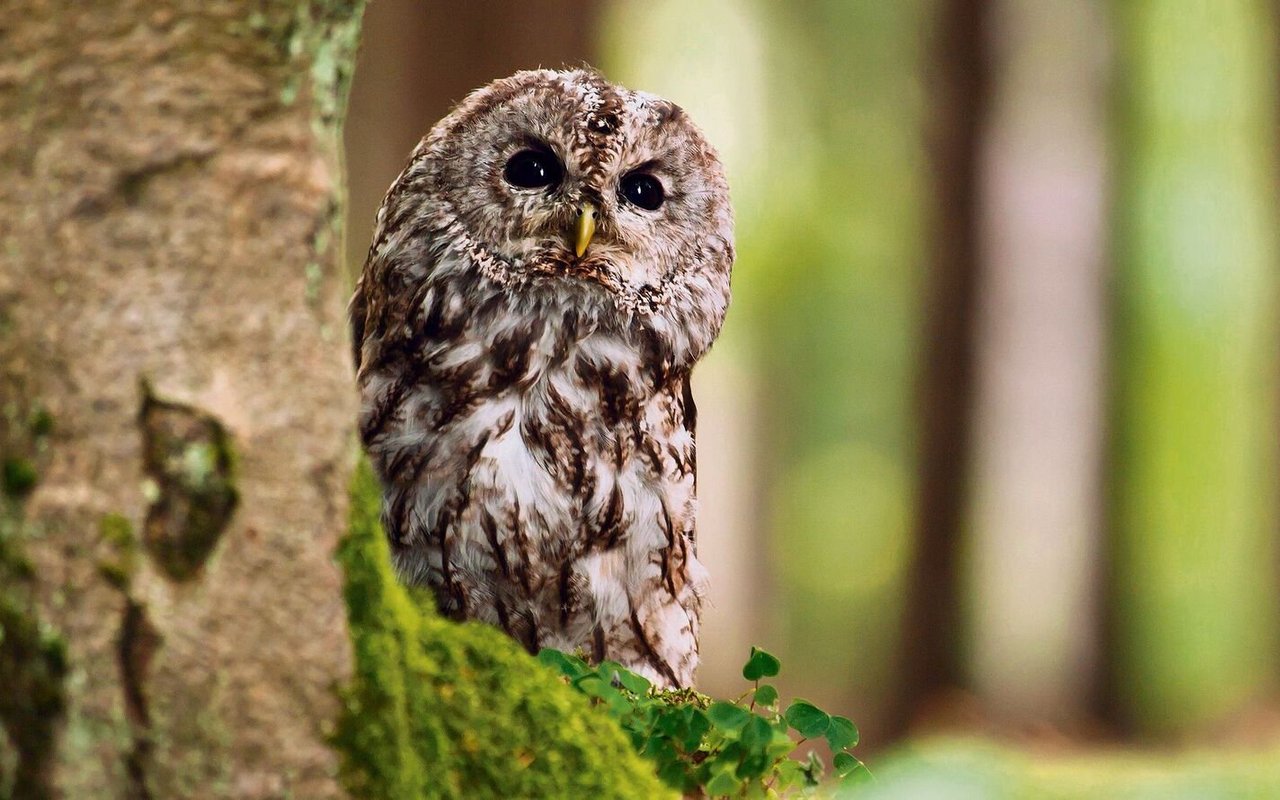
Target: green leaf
x: 782, y: 744
x: 760, y: 665
x: 756, y: 738
x: 659, y: 749
x: 723, y: 784
x: 567, y: 665
x: 808, y: 720
x: 627, y: 679
x: 753, y: 765
x: 766, y: 695
x: 696, y: 726
x: 727, y: 716
x: 757, y: 734
x: 595, y: 686
x: 668, y: 723
x: 857, y: 775
x: 842, y: 733
x: 790, y: 773
x: 845, y: 763
x: 672, y: 773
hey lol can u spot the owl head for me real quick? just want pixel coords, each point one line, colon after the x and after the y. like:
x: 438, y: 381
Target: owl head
x: 561, y: 184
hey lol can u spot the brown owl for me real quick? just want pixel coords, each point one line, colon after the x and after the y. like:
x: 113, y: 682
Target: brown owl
x: 544, y: 274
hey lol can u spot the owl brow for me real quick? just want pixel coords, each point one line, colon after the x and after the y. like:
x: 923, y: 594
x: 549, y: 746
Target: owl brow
x: 532, y: 142
x: 652, y: 165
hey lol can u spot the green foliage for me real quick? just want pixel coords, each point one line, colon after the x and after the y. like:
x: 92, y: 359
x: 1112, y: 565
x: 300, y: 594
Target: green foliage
x: 721, y: 749
x: 441, y: 710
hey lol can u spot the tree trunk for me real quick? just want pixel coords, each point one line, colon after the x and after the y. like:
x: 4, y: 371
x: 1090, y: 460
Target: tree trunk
x: 830, y: 275
x: 931, y: 656
x: 178, y: 405
x: 1193, y: 584
x: 1035, y: 515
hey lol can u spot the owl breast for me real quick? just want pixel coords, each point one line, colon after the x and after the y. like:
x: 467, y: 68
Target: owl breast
x: 539, y: 469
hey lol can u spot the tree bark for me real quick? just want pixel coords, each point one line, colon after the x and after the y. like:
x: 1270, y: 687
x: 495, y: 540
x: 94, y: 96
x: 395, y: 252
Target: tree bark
x: 178, y: 410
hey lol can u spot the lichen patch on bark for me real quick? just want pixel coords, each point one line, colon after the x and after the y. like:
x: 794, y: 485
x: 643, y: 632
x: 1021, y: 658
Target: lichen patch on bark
x: 191, y: 484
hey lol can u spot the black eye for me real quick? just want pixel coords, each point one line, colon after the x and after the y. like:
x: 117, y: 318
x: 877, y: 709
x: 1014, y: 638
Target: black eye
x: 642, y: 189
x: 533, y: 169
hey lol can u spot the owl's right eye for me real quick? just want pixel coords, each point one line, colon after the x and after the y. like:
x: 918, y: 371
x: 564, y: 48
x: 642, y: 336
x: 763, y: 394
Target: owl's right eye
x: 533, y: 169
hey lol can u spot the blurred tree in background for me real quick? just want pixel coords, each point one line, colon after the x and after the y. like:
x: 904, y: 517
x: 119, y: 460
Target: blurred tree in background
x: 1032, y: 530
x: 1193, y: 581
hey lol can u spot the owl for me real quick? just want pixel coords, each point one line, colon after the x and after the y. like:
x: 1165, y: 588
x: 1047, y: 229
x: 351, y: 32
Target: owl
x: 544, y: 274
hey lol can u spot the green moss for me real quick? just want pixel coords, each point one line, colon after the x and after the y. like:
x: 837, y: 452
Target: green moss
x: 18, y: 476
x: 33, y: 669
x: 41, y: 422
x: 437, y: 709
x: 122, y: 559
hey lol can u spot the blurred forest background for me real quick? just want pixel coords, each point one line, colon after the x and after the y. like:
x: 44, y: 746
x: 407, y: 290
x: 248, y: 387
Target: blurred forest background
x: 988, y: 449
x: 989, y: 440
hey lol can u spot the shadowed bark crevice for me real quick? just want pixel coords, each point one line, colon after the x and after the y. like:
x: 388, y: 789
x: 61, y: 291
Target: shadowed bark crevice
x: 137, y: 647
x: 188, y: 459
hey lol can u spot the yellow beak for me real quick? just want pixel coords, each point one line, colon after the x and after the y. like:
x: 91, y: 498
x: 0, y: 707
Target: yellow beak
x: 584, y: 229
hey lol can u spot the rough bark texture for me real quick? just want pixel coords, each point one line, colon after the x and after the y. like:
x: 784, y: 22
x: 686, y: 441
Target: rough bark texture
x: 177, y: 401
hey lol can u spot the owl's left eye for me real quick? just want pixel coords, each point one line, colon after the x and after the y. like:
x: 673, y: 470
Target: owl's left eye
x: 643, y: 190
x: 533, y: 169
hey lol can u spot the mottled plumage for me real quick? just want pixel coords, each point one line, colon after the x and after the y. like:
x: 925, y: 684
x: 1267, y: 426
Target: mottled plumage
x: 528, y: 409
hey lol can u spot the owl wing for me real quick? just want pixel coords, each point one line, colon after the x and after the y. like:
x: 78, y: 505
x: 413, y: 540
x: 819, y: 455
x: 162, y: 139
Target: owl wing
x: 690, y: 411
x: 691, y: 425
x: 356, y: 311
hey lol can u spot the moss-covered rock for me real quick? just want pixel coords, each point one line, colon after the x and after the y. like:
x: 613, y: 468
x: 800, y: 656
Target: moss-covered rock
x: 441, y: 710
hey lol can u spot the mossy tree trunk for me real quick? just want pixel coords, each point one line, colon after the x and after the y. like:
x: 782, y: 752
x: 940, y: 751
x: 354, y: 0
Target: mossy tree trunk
x: 178, y: 411
x: 1194, y: 585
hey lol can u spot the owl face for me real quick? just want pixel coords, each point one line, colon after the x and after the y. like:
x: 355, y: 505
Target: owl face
x: 564, y: 177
